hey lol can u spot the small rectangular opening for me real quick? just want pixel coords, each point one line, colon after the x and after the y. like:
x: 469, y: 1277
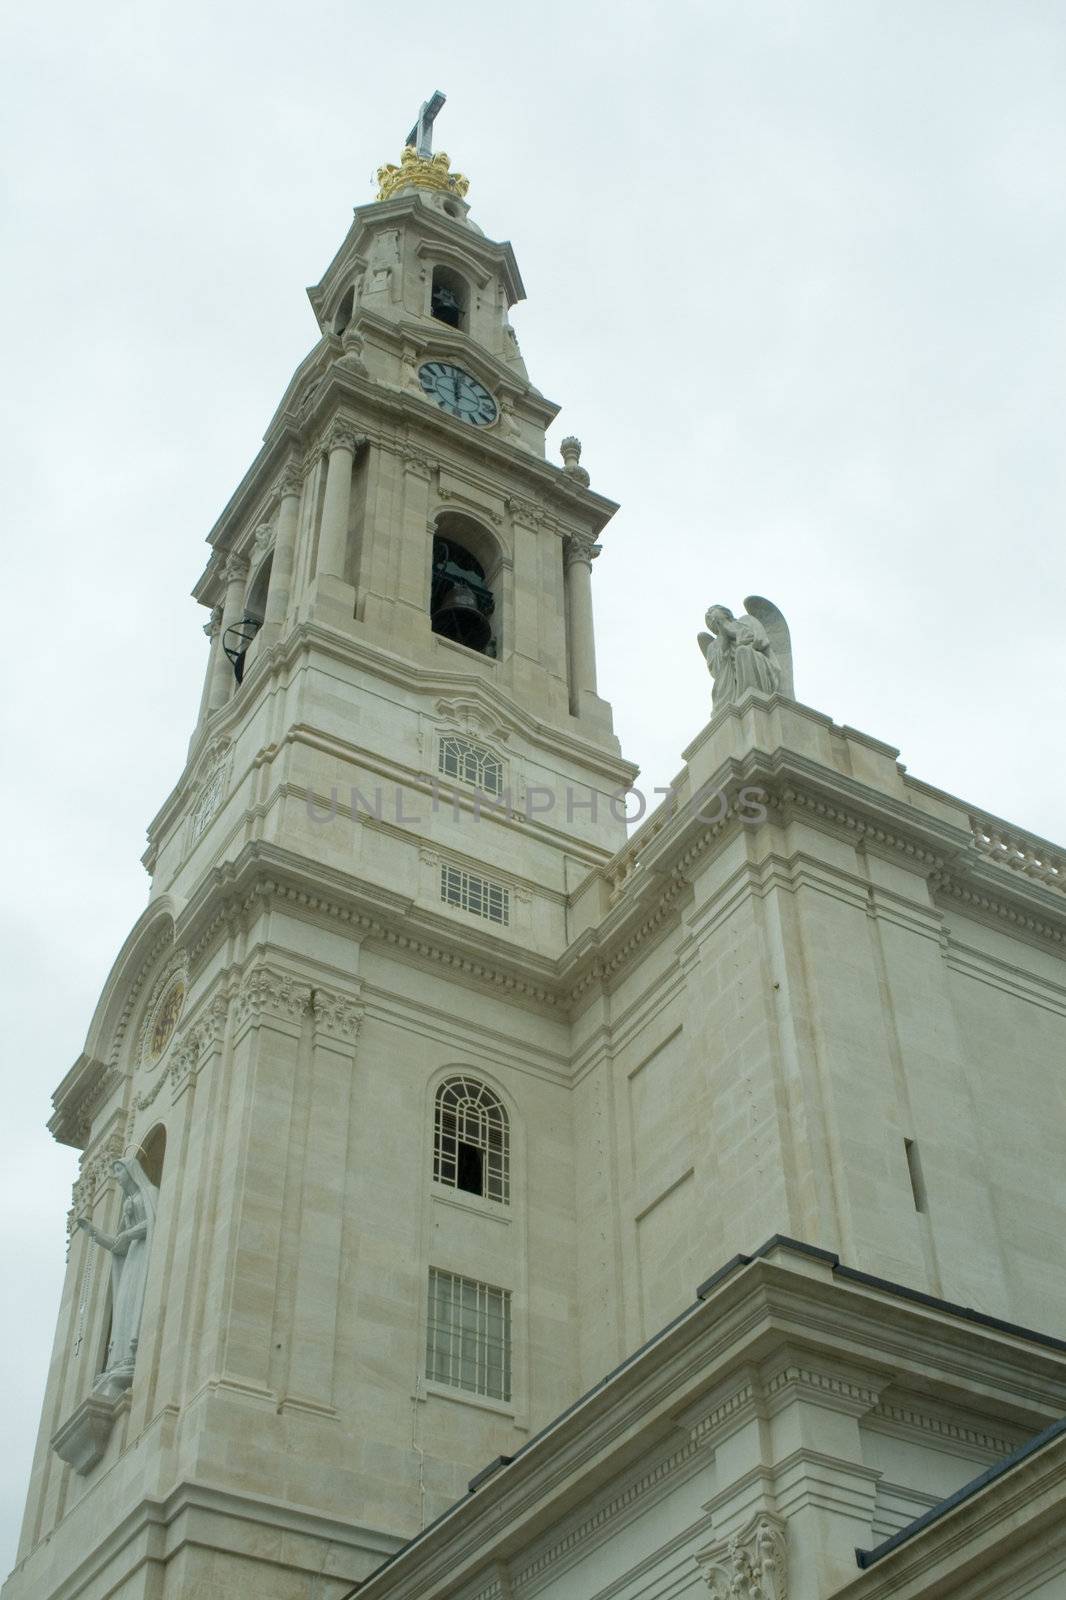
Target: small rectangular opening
x: 471, y: 1170
x: 914, y: 1167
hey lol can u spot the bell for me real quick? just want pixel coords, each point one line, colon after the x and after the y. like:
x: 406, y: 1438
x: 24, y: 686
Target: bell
x: 459, y: 617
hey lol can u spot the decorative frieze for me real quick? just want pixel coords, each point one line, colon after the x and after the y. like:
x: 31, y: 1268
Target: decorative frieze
x: 752, y: 1564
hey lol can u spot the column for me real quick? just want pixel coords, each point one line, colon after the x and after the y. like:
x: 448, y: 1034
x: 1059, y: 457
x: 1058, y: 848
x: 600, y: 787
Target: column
x: 324, y: 1200
x: 579, y: 555
x: 232, y: 611
x: 277, y: 603
x: 333, y: 539
x: 213, y: 629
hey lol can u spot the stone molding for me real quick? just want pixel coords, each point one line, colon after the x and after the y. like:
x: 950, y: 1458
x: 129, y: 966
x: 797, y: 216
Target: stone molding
x: 750, y: 1565
x: 471, y: 719
x: 599, y: 1521
x: 906, y: 1419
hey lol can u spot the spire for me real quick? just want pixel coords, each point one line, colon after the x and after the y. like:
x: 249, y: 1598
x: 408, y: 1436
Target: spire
x: 419, y: 168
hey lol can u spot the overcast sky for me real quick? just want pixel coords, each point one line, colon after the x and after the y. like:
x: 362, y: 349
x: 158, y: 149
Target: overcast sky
x: 795, y: 274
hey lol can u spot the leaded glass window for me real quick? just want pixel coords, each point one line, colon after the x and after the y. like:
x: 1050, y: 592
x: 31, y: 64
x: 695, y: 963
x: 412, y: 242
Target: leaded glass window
x: 471, y: 1144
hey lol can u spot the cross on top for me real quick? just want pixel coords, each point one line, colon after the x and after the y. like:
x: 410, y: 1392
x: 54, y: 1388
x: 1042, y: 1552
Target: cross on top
x: 421, y: 135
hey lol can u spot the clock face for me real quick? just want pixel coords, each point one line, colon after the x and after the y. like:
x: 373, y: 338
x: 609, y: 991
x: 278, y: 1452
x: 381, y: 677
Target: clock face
x: 456, y: 392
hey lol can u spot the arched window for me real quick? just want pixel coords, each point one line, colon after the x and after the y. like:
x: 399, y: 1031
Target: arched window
x: 471, y: 1145
x: 449, y: 298
x: 466, y: 570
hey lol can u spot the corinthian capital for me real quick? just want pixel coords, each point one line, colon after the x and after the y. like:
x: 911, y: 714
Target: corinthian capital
x: 236, y: 568
x: 752, y: 1565
x: 266, y: 992
x: 342, y: 436
x: 290, y: 483
x: 578, y: 549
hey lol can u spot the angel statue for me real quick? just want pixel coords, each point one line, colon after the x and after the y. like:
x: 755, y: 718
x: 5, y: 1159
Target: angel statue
x: 749, y: 652
x: 129, y: 1249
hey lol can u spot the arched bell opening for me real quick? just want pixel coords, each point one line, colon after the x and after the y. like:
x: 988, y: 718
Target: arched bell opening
x: 449, y: 298
x: 463, y: 602
x: 343, y: 314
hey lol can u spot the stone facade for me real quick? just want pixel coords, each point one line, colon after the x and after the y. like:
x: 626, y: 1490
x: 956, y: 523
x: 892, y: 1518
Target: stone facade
x: 811, y: 997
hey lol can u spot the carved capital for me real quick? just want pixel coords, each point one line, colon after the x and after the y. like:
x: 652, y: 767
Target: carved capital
x: 579, y: 551
x: 95, y: 1171
x: 420, y: 465
x: 236, y: 568
x: 523, y: 512
x: 752, y: 1565
x: 290, y: 484
x: 265, y: 992
x: 342, y: 436
x: 337, y: 1016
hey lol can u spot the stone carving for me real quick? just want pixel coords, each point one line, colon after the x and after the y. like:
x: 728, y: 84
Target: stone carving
x: 352, y: 350
x: 130, y: 1249
x: 752, y: 1565
x: 749, y: 652
x: 570, y: 450
x: 267, y: 992
x: 580, y: 551
x: 95, y: 1167
x: 342, y: 436
x: 336, y: 1015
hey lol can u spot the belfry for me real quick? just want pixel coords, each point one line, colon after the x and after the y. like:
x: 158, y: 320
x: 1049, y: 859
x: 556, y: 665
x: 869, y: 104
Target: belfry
x: 478, y: 1201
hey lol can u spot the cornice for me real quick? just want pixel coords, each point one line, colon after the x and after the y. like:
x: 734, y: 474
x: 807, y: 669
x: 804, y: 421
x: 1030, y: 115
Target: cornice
x: 753, y: 1309
x: 384, y: 214
x: 263, y: 873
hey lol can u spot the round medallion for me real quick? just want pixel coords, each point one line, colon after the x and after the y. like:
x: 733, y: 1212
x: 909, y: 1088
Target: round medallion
x: 164, y: 1019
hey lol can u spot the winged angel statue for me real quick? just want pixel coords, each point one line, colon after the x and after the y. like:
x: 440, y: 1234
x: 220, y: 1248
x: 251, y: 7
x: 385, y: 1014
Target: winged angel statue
x: 749, y: 652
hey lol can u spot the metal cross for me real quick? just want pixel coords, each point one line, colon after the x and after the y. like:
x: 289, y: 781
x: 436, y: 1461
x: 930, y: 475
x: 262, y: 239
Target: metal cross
x: 421, y: 135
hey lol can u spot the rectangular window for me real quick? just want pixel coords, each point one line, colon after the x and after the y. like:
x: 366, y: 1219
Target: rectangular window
x: 468, y: 1337
x: 470, y: 763
x: 479, y: 896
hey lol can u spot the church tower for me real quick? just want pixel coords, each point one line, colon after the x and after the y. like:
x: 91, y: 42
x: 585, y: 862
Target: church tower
x: 327, y: 1070
x: 476, y: 1202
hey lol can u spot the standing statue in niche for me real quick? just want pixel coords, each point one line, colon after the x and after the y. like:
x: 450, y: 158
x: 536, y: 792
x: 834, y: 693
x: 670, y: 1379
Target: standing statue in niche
x: 130, y: 1249
x: 749, y: 652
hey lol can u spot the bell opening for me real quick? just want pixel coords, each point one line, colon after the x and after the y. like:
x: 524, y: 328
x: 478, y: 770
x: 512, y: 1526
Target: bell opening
x: 461, y: 602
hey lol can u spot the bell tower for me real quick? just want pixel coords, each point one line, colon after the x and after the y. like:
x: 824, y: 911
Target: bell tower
x: 326, y: 1073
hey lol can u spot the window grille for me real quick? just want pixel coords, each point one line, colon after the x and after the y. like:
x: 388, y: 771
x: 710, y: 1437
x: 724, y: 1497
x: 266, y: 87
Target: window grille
x: 468, y: 1335
x: 479, y: 896
x: 470, y: 763
x: 471, y: 1140
x: 208, y: 802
